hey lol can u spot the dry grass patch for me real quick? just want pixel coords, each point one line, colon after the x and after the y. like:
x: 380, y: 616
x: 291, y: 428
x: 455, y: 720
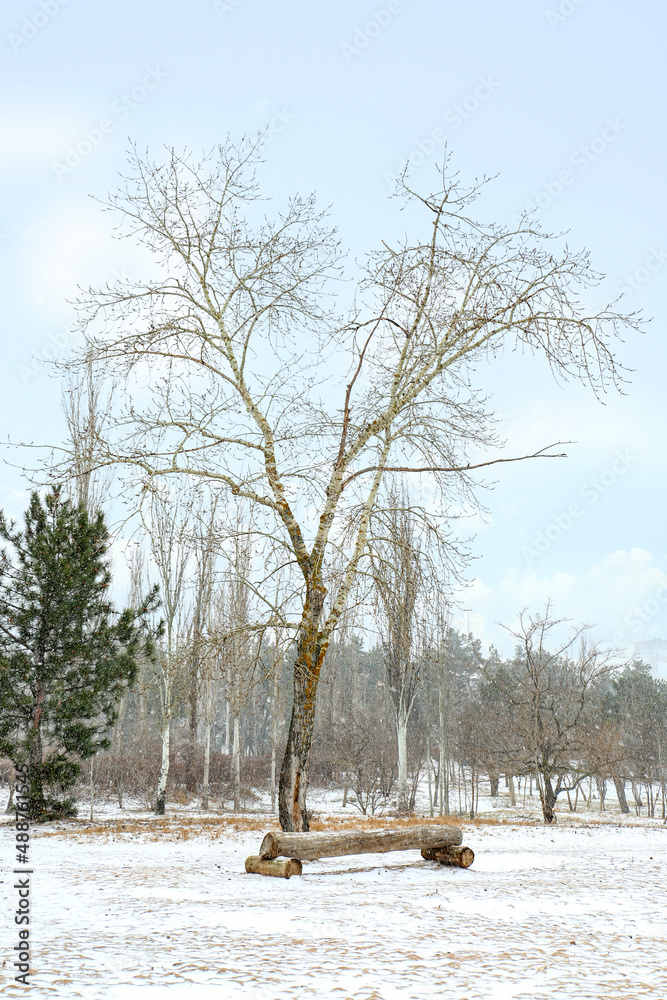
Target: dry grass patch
x: 168, y: 828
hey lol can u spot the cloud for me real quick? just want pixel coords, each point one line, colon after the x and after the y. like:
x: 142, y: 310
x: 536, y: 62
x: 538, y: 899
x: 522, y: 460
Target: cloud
x: 532, y: 591
x: 623, y: 596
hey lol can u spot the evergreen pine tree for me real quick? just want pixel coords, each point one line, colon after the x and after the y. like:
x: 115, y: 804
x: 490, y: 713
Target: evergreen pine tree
x: 66, y: 654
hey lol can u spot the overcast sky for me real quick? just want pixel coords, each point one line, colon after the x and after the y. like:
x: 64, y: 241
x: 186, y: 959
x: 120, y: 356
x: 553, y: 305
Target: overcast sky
x: 565, y: 102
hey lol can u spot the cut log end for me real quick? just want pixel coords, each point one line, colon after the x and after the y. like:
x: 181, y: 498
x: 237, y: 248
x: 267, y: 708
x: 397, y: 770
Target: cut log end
x: 456, y: 857
x: 255, y: 865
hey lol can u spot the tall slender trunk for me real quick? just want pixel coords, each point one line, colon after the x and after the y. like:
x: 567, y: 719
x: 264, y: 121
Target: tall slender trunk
x: 164, y: 770
x: 402, y: 738
x: 274, y: 739
x: 444, y: 755
x: 118, y: 750
x: 236, y: 763
x: 510, y: 781
x: 36, y: 791
x: 428, y: 766
x: 226, y: 729
x: 207, y: 763
x: 191, y: 758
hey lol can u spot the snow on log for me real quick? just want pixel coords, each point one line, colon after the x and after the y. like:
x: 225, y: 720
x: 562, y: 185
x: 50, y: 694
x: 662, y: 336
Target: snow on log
x: 461, y: 857
x: 255, y: 865
x: 310, y: 846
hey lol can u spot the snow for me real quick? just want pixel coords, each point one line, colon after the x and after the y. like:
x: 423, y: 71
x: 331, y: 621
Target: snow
x: 572, y: 911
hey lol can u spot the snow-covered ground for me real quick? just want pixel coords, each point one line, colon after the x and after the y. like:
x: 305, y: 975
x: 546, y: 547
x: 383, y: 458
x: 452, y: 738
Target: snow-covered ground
x: 164, y: 908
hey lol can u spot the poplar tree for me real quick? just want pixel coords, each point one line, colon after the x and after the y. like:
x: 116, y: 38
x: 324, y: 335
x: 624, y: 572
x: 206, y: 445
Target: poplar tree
x: 66, y: 654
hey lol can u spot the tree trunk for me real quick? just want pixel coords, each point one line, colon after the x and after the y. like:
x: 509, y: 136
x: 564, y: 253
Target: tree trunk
x: 510, y: 781
x: 428, y: 766
x: 164, y: 770
x: 292, y: 810
x: 494, y: 780
x: 274, y: 741
x: 118, y: 750
x: 548, y: 797
x: 236, y: 763
x: 402, y: 737
x: 36, y: 801
x: 602, y: 791
x: 311, y: 651
x: 444, y: 755
x: 207, y: 764
x: 191, y: 762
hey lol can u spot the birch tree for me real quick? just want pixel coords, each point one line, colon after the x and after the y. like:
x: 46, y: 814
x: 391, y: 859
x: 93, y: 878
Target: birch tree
x: 398, y: 575
x: 238, y: 645
x: 268, y: 386
x: 86, y: 405
x: 171, y: 549
x: 202, y: 671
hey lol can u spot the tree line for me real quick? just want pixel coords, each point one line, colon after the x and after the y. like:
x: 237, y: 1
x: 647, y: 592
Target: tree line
x: 179, y: 691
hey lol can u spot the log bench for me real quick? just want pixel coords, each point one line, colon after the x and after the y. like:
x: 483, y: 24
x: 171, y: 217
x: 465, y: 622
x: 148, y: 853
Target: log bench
x: 436, y: 843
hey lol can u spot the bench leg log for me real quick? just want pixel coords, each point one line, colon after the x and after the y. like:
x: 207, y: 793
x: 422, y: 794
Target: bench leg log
x: 458, y: 857
x: 255, y: 865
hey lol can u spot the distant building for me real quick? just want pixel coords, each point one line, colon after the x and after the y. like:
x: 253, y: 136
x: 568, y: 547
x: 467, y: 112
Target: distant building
x: 654, y: 652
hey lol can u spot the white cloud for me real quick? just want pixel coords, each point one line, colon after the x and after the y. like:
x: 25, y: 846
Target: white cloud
x: 531, y: 591
x: 623, y: 596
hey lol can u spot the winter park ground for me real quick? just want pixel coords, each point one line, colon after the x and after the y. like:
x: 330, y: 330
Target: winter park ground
x: 133, y: 905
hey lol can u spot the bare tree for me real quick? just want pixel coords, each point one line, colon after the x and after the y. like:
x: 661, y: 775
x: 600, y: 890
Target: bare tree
x: 86, y: 402
x: 171, y: 548
x: 398, y: 574
x: 238, y: 644
x: 552, y: 689
x: 259, y: 389
x: 204, y: 677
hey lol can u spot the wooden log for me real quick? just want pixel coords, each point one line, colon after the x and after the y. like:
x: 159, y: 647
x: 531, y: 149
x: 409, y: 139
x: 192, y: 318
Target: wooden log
x: 309, y: 846
x: 460, y: 857
x: 255, y: 865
